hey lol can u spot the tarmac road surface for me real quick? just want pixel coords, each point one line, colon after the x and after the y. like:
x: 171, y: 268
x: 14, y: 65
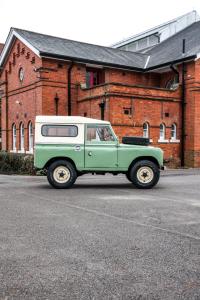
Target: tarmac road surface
x: 102, y: 239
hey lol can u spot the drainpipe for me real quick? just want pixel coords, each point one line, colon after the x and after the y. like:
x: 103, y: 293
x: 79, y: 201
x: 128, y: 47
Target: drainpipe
x: 183, y: 135
x: 102, y: 105
x: 69, y: 105
x: 6, y: 98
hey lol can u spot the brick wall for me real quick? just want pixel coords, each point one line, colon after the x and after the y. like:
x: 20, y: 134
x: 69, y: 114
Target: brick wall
x: 24, y: 97
x: 46, y: 80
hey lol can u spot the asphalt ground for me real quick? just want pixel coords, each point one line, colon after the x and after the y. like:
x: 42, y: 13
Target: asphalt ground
x: 102, y: 239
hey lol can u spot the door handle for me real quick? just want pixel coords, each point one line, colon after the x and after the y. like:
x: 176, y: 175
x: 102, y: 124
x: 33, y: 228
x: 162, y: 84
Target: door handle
x: 90, y: 153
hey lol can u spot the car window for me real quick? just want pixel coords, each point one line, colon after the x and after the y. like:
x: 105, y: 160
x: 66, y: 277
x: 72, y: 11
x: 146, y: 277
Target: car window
x: 60, y: 130
x: 99, y: 133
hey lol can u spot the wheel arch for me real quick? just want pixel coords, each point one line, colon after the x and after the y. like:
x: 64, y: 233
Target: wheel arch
x: 150, y: 158
x: 50, y: 161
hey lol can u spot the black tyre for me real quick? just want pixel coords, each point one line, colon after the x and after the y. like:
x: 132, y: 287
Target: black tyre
x: 144, y: 174
x: 128, y: 177
x: 61, y: 174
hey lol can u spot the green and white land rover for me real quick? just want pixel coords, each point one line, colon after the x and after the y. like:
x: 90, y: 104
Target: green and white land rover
x: 68, y: 147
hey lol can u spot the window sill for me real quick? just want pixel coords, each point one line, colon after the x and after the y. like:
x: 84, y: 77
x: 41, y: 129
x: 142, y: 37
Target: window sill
x: 163, y: 141
x: 29, y: 151
x: 13, y: 151
x: 21, y: 151
x: 173, y: 141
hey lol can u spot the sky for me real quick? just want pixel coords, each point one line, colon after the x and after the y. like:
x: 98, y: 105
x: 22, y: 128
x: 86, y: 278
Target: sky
x: 101, y: 22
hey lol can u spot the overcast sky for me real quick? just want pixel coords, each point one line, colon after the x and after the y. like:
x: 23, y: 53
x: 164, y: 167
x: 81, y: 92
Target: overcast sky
x: 100, y: 22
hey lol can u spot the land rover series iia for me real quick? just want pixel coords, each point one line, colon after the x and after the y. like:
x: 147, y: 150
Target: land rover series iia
x: 68, y: 147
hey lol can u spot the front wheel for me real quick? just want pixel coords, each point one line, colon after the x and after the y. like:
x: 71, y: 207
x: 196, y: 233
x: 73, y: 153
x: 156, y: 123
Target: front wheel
x: 61, y: 174
x: 144, y: 174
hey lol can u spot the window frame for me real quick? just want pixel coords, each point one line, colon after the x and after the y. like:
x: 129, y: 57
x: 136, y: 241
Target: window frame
x: 59, y: 125
x: 162, y: 137
x: 94, y: 77
x: 103, y: 142
x: 146, y: 130
x: 14, y: 137
x: 174, y: 130
x: 21, y: 130
x: 30, y: 136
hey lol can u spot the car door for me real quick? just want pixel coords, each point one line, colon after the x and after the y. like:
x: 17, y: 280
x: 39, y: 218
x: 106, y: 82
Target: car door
x: 100, y: 147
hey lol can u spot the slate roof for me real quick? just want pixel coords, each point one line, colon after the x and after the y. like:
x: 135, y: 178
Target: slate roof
x: 167, y: 52
x: 54, y: 46
x: 171, y: 49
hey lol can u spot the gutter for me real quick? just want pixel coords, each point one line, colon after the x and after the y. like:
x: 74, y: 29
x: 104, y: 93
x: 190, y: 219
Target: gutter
x: 83, y: 60
x: 117, y: 66
x: 172, y: 62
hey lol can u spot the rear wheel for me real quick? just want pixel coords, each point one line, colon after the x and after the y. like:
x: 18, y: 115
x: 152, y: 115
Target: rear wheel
x: 144, y: 174
x: 61, y: 174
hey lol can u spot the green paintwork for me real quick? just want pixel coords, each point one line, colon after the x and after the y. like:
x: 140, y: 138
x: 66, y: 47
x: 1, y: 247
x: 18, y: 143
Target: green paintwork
x: 96, y: 155
x: 45, y: 152
x: 103, y: 156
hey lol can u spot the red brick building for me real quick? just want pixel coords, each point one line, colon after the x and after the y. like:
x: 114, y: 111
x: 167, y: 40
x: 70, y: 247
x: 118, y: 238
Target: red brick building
x: 155, y: 94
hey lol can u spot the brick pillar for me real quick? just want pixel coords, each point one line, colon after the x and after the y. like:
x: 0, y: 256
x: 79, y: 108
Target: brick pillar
x: 192, y: 145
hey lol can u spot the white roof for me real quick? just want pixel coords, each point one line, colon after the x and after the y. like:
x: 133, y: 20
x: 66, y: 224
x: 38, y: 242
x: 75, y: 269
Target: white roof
x: 68, y: 120
x: 187, y: 19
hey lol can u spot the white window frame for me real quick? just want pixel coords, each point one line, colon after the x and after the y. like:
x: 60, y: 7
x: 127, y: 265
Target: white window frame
x: 162, y: 134
x: 146, y: 130
x: 14, y: 138
x: 173, y: 138
x: 173, y: 131
x: 21, y: 130
x: 30, y: 137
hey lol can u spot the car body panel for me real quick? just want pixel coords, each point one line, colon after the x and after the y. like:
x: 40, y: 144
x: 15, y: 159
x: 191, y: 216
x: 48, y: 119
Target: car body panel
x: 107, y: 156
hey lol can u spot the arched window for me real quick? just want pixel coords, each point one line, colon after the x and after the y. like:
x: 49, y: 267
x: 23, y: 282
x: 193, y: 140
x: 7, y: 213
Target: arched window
x: 146, y: 130
x: 162, y: 132
x: 21, y: 128
x: 30, y: 137
x: 174, y: 132
x: 14, y: 137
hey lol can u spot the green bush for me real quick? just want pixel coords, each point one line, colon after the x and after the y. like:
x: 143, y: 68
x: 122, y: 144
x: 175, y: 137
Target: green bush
x: 14, y: 163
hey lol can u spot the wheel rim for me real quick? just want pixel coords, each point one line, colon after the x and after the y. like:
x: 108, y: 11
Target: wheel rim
x: 145, y: 174
x: 61, y: 174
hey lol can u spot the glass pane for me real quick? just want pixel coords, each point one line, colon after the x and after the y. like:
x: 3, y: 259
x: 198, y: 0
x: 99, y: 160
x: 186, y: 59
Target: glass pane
x: 101, y: 133
x: 60, y: 130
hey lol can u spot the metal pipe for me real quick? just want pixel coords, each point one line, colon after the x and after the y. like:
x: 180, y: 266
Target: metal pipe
x: 183, y: 106
x: 6, y: 98
x: 102, y: 107
x: 69, y: 104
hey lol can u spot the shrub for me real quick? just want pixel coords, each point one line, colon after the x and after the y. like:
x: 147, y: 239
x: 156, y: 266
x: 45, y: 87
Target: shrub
x: 14, y: 163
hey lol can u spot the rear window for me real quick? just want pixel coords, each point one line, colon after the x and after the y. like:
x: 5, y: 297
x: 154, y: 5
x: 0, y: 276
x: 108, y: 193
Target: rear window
x: 59, y: 130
